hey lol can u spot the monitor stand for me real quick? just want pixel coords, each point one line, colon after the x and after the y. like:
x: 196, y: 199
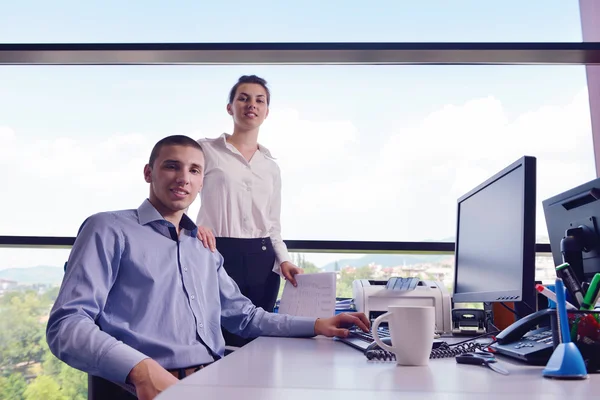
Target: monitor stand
x: 572, y: 248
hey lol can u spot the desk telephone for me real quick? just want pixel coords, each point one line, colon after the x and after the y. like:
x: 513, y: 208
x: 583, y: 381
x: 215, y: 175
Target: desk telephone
x: 529, y: 339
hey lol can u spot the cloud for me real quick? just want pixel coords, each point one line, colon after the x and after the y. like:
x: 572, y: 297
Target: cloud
x: 337, y: 185
x: 408, y: 189
x: 7, y: 138
x: 54, y: 184
x: 6, y: 133
x: 305, y: 147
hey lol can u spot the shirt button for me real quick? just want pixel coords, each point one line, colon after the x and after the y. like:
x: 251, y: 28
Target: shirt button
x: 248, y: 188
x: 192, y: 297
x: 185, y: 269
x: 200, y: 326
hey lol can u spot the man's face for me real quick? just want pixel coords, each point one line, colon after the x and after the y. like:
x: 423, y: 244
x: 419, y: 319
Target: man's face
x: 175, y: 178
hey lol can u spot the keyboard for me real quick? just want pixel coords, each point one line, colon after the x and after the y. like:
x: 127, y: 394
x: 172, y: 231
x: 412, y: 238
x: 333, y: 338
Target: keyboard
x: 402, y: 284
x: 361, y: 340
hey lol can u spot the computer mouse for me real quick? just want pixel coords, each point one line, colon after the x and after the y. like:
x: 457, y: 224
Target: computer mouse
x: 375, y: 346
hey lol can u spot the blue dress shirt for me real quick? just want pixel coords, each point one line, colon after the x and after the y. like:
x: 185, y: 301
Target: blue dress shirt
x: 132, y: 289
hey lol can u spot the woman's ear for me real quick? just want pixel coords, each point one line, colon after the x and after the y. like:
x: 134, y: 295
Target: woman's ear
x: 229, y: 109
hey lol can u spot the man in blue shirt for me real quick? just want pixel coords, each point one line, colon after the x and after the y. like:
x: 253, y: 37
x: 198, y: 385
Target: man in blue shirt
x: 142, y: 300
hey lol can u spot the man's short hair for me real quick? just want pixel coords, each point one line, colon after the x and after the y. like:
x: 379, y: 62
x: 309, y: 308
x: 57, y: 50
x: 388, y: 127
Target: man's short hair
x: 175, y: 140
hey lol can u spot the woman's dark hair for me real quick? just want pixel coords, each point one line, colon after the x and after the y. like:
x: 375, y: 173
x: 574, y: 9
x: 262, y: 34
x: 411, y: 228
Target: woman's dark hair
x: 250, y: 79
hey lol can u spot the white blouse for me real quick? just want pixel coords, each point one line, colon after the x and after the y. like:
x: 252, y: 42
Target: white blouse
x: 241, y: 199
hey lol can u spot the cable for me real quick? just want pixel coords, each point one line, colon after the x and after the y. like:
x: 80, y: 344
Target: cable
x: 530, y: 308
x: 510, y: 309
x: 491, y: 324
x: 445, y: 350
x: 478, y: 337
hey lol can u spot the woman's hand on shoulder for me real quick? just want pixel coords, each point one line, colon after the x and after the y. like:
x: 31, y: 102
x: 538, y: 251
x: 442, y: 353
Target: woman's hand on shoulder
x: 289, y: 270
x: 207, y: 237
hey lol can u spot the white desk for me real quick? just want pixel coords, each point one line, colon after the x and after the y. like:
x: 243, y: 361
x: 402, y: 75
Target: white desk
x: 320, y: 368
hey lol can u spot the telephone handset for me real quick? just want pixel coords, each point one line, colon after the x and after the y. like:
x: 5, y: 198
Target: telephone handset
x: 518, y: 329
x: 530, y: 339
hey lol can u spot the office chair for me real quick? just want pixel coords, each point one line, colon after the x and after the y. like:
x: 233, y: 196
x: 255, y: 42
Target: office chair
x: 101, y: 389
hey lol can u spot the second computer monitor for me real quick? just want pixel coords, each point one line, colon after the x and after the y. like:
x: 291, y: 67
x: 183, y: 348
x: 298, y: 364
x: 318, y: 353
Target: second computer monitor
x: 495, y: 239
x: 573, y: 221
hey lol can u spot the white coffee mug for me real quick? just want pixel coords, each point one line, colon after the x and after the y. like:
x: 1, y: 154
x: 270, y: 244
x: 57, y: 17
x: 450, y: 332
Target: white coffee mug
x: 411, y: 331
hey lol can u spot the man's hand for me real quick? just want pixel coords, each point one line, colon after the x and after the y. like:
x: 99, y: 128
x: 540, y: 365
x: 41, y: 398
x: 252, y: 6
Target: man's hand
x: 207, y: 237
x: 150, y: 379
x: 289, y: 271
x: 335, y: 326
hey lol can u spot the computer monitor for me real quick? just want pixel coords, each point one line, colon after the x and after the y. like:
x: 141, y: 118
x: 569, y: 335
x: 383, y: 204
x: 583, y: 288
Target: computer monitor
x: 495, y: 240
x: 572, y: 219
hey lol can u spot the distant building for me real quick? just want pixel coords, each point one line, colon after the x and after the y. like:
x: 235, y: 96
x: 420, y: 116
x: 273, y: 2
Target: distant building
x: 6, y: 285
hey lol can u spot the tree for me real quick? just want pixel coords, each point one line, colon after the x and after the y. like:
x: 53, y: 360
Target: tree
x: 44, y: 387
x: 72, y: 382
x: 50, y: 296
x: 24, y: 352
x: 21, y: 331
x: 12, y: 387
x: 348, y: 276
x: 310, y: 268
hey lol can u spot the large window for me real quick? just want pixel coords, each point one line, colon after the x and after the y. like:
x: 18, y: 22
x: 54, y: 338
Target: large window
x: 379, y: 153
x: 70, y: 21
x: 377, y: 266
x: 367, y: 153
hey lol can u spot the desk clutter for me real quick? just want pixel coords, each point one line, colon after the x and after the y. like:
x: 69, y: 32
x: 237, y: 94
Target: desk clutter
x: 532, y: 339
x: 364, y: 342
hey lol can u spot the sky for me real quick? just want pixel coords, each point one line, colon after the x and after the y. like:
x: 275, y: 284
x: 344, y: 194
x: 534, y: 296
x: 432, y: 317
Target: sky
x: 366, y: 152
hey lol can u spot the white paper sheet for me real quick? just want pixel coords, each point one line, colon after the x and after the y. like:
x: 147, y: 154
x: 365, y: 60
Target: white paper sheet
x: 313, y: 297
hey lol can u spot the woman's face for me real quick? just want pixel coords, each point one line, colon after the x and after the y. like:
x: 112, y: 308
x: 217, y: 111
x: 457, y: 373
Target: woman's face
x: 249, y: 107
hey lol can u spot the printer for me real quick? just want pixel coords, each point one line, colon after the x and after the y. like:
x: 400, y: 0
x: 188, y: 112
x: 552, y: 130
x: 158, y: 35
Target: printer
x: 374, y: 296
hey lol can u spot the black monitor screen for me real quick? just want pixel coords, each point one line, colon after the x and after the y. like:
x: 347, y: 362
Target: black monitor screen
x: 495, y: 240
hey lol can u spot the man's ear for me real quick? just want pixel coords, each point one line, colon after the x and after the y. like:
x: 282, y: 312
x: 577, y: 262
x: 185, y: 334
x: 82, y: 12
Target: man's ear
x: 229, y: 109
x: 148, y: 173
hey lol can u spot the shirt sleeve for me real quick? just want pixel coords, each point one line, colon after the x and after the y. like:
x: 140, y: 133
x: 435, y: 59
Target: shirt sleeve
x: 72, y: 333
x: 281, y: 252
x: 241, y: 317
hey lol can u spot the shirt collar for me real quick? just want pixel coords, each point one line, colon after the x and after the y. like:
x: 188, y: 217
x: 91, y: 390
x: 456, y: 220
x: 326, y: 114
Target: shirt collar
x: 261, y: 148
x: 147, y: 213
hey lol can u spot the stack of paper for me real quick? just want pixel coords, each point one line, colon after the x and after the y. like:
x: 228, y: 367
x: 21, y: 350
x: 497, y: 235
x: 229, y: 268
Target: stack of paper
x: 313, y: 297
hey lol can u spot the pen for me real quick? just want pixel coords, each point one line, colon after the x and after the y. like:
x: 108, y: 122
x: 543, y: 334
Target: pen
x: 551, y: 295
x: 591, y: 296
x: 584, y: 287
x: 565, y: 273
x: 561, y: 313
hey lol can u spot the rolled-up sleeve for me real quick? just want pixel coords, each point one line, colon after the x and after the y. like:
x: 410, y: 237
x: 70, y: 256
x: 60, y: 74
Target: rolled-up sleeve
x: 72, y: 333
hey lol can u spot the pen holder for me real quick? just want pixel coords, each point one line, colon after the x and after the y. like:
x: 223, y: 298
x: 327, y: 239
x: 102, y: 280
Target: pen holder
x: 585, y: 333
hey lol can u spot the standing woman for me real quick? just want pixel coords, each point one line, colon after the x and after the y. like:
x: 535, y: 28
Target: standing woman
x: 241, y: 201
